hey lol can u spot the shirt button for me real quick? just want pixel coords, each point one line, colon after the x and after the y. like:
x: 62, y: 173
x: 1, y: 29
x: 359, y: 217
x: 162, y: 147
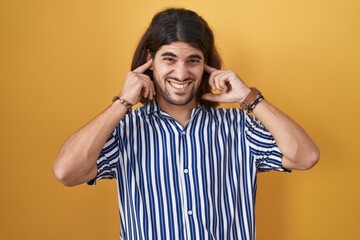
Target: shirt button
x: 190, y: 212
x: 186, y: 170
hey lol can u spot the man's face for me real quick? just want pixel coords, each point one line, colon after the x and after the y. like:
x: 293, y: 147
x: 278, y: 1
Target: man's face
x: 177, y: 71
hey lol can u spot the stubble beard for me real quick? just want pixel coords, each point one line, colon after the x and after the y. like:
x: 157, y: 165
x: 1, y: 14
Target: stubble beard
x: 165, y: 94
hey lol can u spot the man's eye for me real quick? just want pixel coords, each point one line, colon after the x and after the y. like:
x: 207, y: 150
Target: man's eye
x: 169, y: 59
x: 192, y: 61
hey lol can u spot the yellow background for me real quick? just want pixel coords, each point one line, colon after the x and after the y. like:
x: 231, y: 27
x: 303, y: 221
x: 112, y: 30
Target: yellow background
x: 63, y: 60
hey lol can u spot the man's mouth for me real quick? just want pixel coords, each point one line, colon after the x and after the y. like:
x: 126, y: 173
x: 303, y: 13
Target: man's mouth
x: 178, y: 85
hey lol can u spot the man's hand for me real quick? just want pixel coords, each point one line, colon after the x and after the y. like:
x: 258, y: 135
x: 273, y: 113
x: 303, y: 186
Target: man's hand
x: 230, y: 86
x: 138, y: 85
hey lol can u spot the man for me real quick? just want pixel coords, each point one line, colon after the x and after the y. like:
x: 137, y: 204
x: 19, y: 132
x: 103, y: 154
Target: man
x: 185, y: 169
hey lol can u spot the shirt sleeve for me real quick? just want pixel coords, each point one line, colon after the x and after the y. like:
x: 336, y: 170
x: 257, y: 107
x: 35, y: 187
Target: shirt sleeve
x: 108, y: 158
x: 263, y: 147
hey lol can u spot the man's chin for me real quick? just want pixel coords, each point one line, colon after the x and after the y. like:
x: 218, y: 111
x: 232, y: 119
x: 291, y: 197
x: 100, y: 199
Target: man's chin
x: 179, y: 99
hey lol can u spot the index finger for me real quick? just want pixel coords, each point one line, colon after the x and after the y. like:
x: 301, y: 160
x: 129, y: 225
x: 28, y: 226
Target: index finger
x: 144, y: 67
x: 209, y: 69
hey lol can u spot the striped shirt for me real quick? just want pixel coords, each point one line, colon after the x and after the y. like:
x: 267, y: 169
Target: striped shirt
x: 196, y: 181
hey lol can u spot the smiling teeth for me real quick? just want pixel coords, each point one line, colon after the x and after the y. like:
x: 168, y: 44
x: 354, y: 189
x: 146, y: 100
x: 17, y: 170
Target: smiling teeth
x: 179, y: 86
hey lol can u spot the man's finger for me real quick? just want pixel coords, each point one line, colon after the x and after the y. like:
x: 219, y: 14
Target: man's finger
x: 209, y: 69
x: 144, y: 67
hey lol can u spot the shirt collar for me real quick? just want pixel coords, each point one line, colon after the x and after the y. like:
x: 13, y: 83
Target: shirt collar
x: 153, y: 107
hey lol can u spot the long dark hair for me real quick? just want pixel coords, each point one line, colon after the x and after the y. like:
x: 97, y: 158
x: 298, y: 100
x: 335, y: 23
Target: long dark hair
x: 178, y: 24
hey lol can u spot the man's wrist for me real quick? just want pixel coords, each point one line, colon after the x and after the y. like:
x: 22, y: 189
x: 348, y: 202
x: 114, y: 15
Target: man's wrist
x: 123, y: 102
x: 251, y: 100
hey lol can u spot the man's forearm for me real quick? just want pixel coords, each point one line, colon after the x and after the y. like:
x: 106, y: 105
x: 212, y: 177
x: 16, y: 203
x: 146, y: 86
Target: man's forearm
x: 298, y: 149
x: 76, y: 160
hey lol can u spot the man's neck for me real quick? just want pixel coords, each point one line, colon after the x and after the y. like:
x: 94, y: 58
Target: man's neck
x: 181, y: 113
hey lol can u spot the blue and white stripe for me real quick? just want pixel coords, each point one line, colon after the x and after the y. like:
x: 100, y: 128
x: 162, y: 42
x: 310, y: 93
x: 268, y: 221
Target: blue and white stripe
x: 191, y: 182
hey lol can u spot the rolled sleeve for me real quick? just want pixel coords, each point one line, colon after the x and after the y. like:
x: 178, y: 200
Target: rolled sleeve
x: 263, y: 147
x: 108, y: 159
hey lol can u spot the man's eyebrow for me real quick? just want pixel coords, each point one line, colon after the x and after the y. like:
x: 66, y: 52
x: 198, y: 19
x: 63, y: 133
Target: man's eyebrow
x: 196, y: 56
x: 170, y: 54
x: 192, y: 56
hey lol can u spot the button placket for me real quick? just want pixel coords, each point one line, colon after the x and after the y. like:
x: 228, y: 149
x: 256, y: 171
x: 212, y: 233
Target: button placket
x: 187, y: 177
x: 185, y: 172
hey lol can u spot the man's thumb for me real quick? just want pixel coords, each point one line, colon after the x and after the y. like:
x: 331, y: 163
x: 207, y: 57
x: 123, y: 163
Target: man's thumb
x: 211, y: 97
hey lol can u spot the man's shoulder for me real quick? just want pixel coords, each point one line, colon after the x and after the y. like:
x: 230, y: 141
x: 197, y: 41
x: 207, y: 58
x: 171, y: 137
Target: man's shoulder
x: 141, y: 112
x: 226, y: 114
x: 226, y: 110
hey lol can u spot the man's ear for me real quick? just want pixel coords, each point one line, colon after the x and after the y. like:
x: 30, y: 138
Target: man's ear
x: 148, y: 57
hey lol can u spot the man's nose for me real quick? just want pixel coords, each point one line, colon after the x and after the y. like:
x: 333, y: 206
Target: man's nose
x: 182, y: 71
